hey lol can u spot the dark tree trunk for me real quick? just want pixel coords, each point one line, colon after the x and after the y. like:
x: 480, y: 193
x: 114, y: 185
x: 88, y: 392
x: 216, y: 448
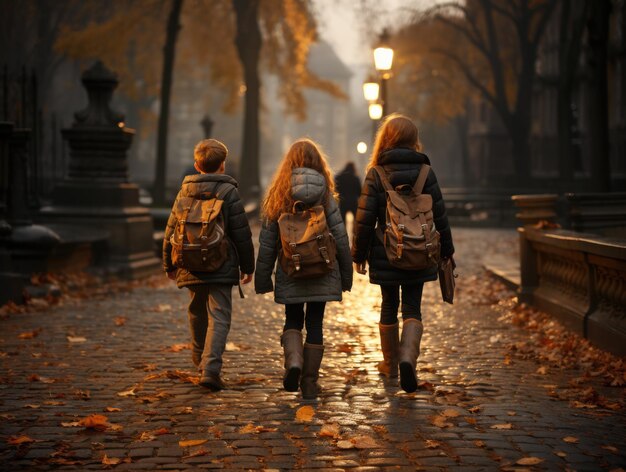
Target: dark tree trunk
x: 461, y: 124
x: 598, y: 28
x: 572, y: 26
x: 169, y: 54
x: 248, y: 42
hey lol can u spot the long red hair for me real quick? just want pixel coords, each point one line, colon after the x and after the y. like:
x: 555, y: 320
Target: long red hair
x: 303, y: 153
x: 395, y: 131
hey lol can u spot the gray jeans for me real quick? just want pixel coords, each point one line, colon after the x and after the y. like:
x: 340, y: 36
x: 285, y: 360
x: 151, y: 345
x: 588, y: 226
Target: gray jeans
x: 209, y: 313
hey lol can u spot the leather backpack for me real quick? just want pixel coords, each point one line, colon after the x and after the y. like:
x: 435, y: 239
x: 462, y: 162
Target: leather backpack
x: 307, y: 247
x: 199, y: 241
x: 410, y: 239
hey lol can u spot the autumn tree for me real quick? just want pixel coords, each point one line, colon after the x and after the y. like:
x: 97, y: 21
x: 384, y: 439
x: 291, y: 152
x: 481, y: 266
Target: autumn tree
x: 426, y: 84
x: 501, y: 67
x: 229, y: 38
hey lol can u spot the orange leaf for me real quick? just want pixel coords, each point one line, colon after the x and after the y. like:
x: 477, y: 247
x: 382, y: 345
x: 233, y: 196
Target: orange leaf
x: 330, y: 431
x: 529, y: 461
x: 502, y: 426
x: 570, y: 439
x: 364, y: 442
x: 97, y: 422
x: 305, y: 414
x: 192, y: 442
x: 432, y: 444
x: 120, y: 320
x: 111, y: 460
x: 29, y: 334
x: 18, y: 440
x: 112, y: 409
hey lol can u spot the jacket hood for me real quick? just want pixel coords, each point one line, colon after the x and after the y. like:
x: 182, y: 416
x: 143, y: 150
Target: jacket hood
x: 307, y: 185
x: 402, y: 156
x: 197, y: 184
x: 198, y: 178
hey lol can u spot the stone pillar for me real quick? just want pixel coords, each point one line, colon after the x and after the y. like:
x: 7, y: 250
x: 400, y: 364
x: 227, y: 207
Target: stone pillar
x: 11, y: 284
x: 96, y: 193
x: 535, y: 208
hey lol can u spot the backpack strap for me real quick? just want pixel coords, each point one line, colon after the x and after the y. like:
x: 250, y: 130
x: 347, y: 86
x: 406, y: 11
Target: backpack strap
x: 383, y: 178
x: 421, y: 179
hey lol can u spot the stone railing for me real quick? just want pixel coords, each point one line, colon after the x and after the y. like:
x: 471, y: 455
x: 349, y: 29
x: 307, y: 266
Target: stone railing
x: 580, y: 279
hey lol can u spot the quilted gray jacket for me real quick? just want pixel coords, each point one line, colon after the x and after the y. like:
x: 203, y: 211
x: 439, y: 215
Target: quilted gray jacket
x: 308, y: 186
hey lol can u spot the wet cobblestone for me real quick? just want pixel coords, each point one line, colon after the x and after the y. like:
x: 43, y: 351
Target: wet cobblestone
x: 126, y: 368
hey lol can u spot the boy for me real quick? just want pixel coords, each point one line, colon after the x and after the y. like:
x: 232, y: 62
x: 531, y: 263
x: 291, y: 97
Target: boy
x: 211, y: 301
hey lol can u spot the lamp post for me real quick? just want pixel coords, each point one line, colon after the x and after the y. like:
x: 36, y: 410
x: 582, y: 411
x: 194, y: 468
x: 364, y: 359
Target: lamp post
x: 383, y: 59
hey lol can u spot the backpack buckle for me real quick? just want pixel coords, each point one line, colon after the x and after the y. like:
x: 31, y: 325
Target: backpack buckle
x: 424, y: 227
x: 292, y: 246
x: 296, y: 260
x: 324, y: 253
x: 399, y: 251
x: 204, y: 253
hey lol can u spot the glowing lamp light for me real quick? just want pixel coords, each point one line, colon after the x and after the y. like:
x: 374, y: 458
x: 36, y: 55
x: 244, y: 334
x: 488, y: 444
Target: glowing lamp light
x: 375, y: 111
x: 370, y: 91
x: 361, y: 148
x: 383, y: 58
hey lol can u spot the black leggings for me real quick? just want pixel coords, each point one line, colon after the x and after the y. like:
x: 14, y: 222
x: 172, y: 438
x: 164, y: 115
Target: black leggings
x: 411, y: 303
x: 314, y: 319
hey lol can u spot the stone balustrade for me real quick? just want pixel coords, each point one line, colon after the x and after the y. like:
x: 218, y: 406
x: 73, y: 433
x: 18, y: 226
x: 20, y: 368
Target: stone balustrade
x: 580, y: 279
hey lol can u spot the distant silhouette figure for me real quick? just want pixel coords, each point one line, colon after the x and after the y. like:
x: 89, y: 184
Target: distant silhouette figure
x: 348, y: 186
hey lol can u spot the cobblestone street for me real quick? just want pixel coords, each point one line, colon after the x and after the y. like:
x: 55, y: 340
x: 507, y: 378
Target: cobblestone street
x: 126, y: 357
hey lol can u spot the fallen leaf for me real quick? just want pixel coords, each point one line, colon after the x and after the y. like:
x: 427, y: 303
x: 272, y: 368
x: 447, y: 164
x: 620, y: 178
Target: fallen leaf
x: 305, y: 414
x: 479, y: 443
x: 543, y: 370
x: 347, y: 348
x: 76, y: 339
x: 511, y: 413
x: 380, y: 429
x: 161, y: 307
x: 32, y: 406
x: 560, y: 453
x: 471, y: 420
x: 529, y: 461
x: 111, y: 460
x: 474, y: 409
x: 570, y: 439
x: 178, y: 347
x: 232, y: 347
x: 432, y: 444
x: 54, y: 403
x: 112, y: 409
x: 97, y: 422
x: 199, y: 452
x: 128, y: 393
x: 71, y: 424
x: 440, y: 421
x: 192, y: 442
x: 450, y: 413
x: 19, y: 440
x: 120, y: 320
x: 29, y: 334
x: 330, y: 431
x: 502, y: 426
x: 33, y: 378
x: 364, y: 442
x: 613, y: 449
x: 250, y: 428
x: 345, y: 444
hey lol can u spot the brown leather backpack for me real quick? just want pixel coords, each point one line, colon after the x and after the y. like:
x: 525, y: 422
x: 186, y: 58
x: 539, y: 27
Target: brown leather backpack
x: 409, y: 237
x: 199, y: 240
x: 308, y: 249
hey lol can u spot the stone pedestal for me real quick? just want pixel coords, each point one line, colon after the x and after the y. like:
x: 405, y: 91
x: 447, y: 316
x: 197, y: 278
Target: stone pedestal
x: 600, y: 213
x: 96, y: 194
x: 535, y: 208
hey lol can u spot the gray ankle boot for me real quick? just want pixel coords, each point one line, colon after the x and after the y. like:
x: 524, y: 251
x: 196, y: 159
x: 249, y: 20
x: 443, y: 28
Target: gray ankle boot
x: 291, y: 340
x: 313, y: 354
x: 412, y: 330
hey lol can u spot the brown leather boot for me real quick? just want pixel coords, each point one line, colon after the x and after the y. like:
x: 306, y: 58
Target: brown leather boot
x: 412, y: 330
x: 291, y: 340
x: 389, y: 342
x: 313, y: 354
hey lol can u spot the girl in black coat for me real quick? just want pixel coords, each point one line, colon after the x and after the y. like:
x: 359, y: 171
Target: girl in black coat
x: 396, y: 150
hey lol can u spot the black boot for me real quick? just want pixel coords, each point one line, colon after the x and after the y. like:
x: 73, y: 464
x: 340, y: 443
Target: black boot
x: 313, y: 354
x: 412, y: 330
x: 291, y: 340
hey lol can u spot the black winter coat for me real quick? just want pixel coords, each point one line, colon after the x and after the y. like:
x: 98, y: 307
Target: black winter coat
x: 402, y: 166
x: 241, y: 254
x: 348, y: 186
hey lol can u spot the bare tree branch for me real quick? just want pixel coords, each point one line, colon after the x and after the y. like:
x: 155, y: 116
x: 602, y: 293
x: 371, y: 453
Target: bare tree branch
x: 494, y: 56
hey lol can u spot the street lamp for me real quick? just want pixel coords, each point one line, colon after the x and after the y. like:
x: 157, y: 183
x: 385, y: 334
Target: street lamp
x: 383, y: 60
x: 371, y: 90
x: 375, y: 111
